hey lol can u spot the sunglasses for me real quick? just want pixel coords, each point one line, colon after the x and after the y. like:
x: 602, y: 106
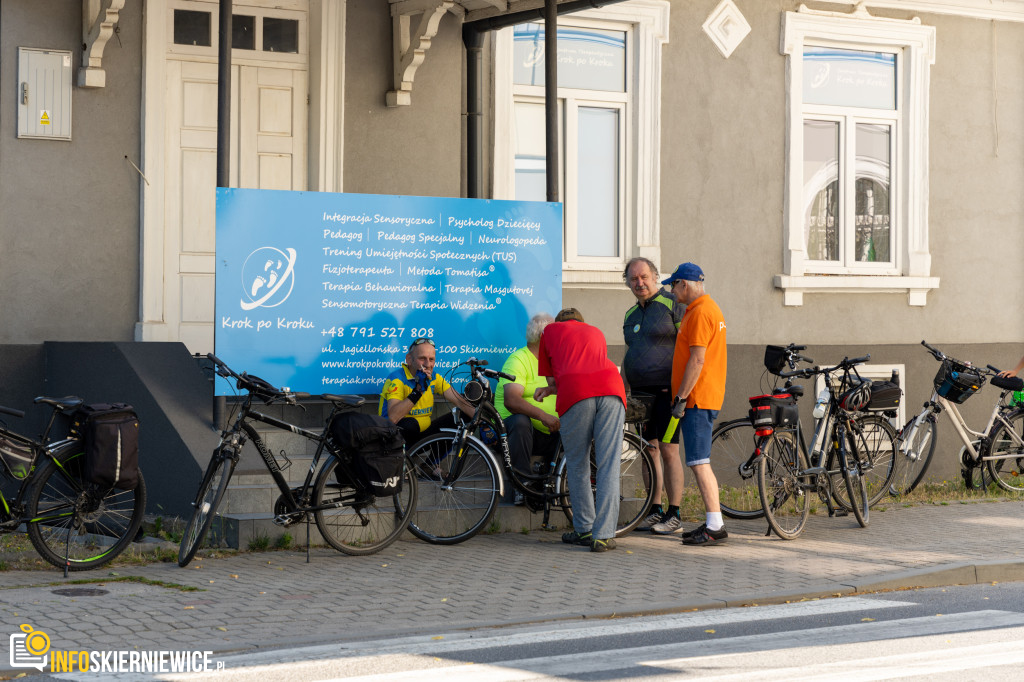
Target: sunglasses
x: 420, y: 342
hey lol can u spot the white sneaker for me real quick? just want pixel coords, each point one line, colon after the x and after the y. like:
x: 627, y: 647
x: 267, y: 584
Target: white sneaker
x: 652, y: 519
x: 667, y: 525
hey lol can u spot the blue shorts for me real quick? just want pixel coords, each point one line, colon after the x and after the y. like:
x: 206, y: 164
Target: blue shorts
x: 696, y: 427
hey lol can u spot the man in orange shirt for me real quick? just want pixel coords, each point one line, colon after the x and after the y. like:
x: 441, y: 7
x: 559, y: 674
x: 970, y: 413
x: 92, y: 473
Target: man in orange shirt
x: 698, y: 380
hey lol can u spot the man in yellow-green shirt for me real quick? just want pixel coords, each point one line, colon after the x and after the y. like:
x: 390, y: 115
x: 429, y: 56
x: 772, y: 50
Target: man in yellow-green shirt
x: 532, y: 426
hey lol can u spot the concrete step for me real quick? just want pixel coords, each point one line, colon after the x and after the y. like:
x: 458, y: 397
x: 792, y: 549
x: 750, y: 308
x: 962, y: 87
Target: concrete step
x: 238, y: 529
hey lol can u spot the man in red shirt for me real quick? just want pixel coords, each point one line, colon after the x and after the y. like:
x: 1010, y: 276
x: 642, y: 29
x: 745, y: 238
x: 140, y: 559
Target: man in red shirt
x: 591, y: 405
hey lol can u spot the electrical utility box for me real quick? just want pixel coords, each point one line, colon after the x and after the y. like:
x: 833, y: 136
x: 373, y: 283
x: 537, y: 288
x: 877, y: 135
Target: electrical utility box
x: 44, y: 94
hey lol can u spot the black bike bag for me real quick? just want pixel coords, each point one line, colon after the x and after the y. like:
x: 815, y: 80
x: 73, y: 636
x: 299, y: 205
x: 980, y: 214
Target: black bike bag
x: 373, y: 448
x: 110, y: 434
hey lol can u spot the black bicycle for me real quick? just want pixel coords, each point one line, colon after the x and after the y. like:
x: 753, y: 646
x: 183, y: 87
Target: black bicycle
x: 462, y: 476
x: 350, y: 518
x: 73, y: 524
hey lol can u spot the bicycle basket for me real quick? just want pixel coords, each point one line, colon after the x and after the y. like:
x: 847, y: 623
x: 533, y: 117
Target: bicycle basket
x: 956, y: 382
x: 638, y: 407
x: 768, y: 412
x: 775, y: 358
x: 857, y: 397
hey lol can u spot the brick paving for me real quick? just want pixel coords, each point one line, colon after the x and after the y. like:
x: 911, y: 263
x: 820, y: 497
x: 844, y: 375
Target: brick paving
x: 262, y: 600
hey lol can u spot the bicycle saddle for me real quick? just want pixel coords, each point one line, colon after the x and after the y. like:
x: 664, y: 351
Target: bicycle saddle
x: 349, y: 400
x: 796, y: 391
x: 65, y: 403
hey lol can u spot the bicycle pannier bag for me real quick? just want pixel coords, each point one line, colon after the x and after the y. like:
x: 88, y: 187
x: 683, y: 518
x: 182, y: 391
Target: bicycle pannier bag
x: 110, y: 433
x: 956, y: 383
x: 17, y: 456
x: 885, y: 395
x: 768, y: 412
x: 376, y: 448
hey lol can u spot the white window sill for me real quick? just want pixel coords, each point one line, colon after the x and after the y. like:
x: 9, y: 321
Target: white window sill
x: 795, y: 286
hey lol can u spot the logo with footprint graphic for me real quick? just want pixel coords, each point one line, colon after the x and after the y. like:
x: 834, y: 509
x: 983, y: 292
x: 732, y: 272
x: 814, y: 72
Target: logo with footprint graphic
x: 268, y: 276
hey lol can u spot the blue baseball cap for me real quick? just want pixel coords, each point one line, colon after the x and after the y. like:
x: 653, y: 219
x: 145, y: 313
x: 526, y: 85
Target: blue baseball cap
x: 688, y: 271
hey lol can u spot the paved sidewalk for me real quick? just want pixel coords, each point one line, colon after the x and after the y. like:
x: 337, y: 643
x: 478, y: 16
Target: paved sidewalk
x: 272, y: 599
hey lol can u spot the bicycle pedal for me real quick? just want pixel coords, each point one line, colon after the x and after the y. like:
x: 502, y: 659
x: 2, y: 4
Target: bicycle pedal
x: 839, y: 512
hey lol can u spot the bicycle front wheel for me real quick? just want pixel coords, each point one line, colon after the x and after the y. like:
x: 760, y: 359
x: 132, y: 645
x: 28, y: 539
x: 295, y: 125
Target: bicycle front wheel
x: 785, y: 502
x: 354, y: 521
x: 459, y: 490
x: 73, y: 524
x: 211, y: 492
x: 636, y: 482
x: 732, y: 449
x: 853, y: 479
x: 1005, y: 452
x: 874, y: 440
x: 914, y: 455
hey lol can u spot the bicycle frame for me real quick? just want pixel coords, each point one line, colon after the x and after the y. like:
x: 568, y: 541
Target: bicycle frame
x: 938, y: 404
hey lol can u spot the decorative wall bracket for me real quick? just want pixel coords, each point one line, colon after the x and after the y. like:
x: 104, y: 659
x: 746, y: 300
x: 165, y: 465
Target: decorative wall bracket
x: 99, y: 18
x: 415, y: 23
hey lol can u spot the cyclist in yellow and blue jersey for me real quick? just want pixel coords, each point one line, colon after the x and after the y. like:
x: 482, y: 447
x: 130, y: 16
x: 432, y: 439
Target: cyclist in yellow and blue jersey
x: 408, y: 396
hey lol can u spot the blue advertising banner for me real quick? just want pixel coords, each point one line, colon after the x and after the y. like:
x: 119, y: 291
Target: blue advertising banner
x: 324, y: 292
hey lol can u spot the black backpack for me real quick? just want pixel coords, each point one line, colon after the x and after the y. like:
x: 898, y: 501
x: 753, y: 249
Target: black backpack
x: 110, y: 432
x: 376, y: 449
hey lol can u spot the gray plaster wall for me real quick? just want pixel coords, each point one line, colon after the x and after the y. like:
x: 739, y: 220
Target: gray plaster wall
x: 416, y: 149
x: 723, y: 160
x: 69, y: 228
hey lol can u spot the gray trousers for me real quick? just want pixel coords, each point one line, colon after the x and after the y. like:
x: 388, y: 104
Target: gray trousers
x: 599, y: 420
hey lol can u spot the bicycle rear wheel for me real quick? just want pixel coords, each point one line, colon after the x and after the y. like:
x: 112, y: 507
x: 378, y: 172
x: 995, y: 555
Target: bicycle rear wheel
x: 914, y: 456
x: 875, y: 441
x: 732, y: 446
x: 453, y: 511
x: 856, y: 488
x: 76, y: 525
x: 636, y: 479
x: 355, y: 521
x: 1005, y: 452
x: 785, y: 502
x: 208, y: 499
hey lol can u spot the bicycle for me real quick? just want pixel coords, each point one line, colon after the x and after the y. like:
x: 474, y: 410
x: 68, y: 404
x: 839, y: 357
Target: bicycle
x: 734, y: 440
x: 465, y: 475
x: 73, y: 524
x: 999, y: 446
x: 348, y: 515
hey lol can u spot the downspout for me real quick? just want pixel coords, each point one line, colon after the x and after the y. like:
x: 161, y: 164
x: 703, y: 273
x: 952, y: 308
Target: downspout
x: 474, y: 41
x: 551, y: 98
x: 223, y: 141
x: 472, y: 37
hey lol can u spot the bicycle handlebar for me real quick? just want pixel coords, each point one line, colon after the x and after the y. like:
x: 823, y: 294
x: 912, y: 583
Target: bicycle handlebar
x: 804, y: 373
x: 256, y: 385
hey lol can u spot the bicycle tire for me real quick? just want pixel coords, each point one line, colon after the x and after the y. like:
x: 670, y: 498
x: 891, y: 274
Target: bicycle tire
x: 784, y: 500
x: 732, y: 444
x: 1004, y: 443
x: 876, y: 444
x: 853, y: 478
x: 73, y: 524
x: 453, y: 512
x: 360, y: 528
x: 636, y: 478
x: 208, y: 498
x: 914, y: 456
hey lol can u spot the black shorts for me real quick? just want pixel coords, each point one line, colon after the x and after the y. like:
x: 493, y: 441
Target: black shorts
x: 660, y: 413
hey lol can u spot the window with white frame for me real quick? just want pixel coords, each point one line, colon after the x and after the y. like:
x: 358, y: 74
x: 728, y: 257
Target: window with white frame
x: 856, y: 185
x: 608, y: 105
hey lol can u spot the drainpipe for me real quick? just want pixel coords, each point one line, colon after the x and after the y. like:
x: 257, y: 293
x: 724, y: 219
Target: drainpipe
x: 223, y: 144
x: 551, y: 97
x: 474, y: 41
x: 472, y: 36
